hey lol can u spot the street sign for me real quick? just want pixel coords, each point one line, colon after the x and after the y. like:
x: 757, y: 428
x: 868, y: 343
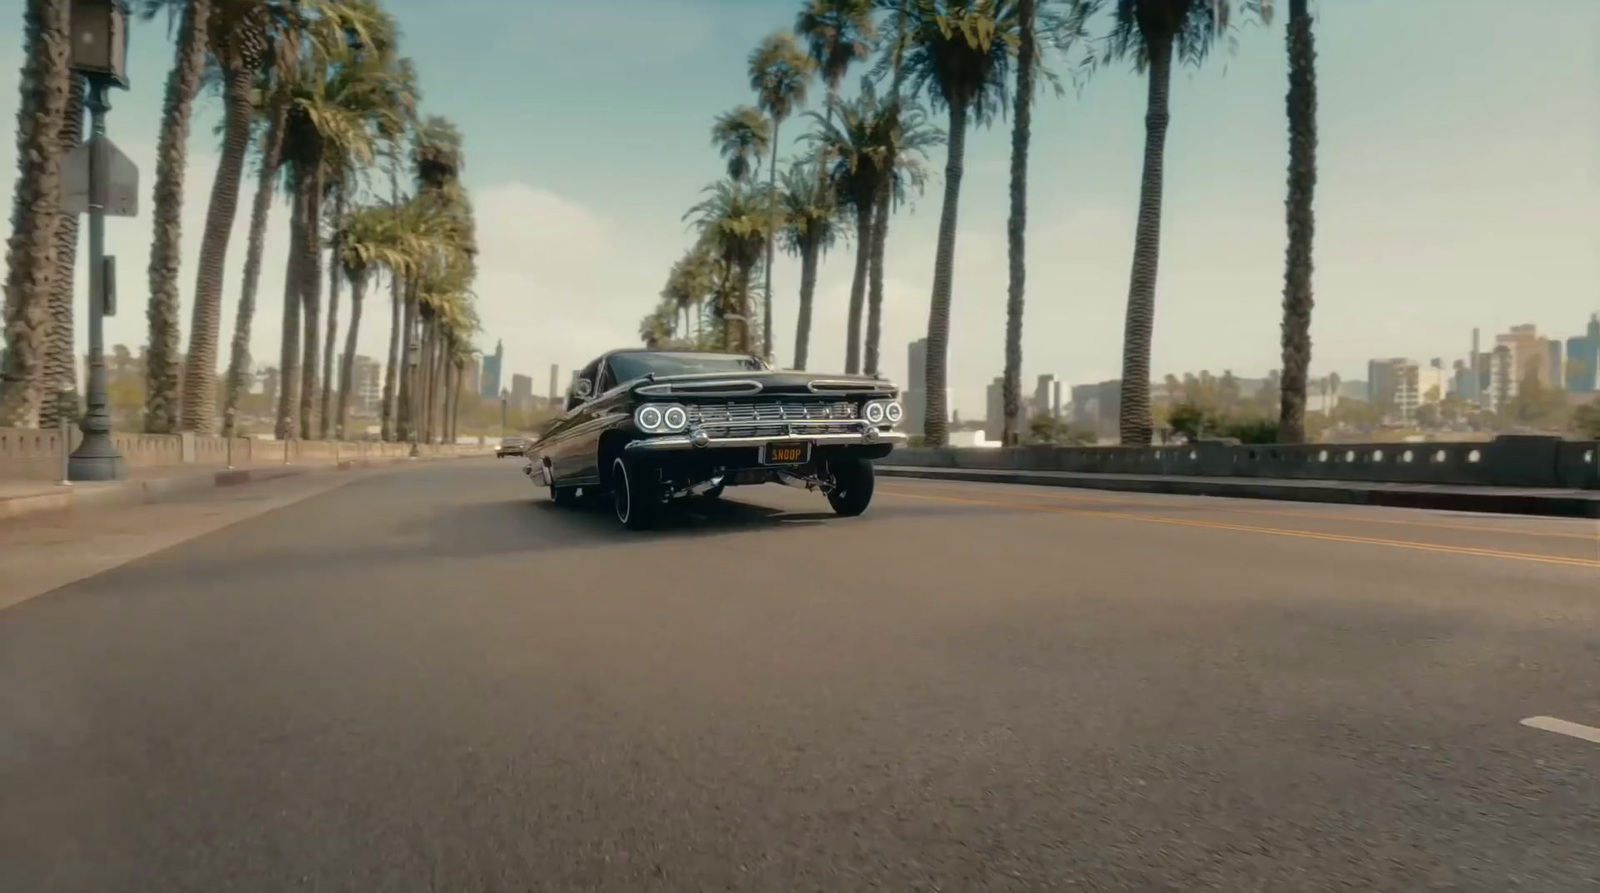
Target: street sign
x: 120, y: 180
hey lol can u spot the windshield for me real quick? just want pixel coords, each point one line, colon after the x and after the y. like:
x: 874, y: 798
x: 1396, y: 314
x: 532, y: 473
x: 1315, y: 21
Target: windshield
x: 629, y: 366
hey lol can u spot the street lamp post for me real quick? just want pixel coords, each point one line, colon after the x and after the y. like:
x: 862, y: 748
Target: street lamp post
x: 502, y: 416
x: 108, y: 185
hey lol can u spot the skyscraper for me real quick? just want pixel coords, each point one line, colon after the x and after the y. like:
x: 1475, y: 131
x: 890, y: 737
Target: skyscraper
x: 491, y: 371
x: 914, y: 397
x: 1583, y: 359
x: 555, y: 383
x: 521, y: 391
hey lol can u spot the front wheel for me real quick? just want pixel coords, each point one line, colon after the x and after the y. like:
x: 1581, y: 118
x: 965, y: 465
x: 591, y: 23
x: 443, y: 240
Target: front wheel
x: 853, y: 483
x: 633, y: 498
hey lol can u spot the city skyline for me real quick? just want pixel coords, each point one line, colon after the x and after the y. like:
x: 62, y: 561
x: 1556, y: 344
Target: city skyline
x: 1430, y: 221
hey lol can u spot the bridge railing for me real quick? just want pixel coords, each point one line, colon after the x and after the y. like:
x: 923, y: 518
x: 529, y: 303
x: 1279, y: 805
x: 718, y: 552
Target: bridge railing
x: 35, y: 453
x: 1506, y: 461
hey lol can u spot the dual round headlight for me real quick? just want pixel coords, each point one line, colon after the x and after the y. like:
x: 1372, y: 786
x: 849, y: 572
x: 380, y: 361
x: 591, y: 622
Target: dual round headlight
x: 661, y: 418
x: 880, y: 412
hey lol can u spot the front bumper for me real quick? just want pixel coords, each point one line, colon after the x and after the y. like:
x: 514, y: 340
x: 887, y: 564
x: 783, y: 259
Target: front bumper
x: 701, y: 439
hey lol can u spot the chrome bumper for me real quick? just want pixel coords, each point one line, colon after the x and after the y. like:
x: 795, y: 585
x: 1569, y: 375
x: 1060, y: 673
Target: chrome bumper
x: 702, y: 440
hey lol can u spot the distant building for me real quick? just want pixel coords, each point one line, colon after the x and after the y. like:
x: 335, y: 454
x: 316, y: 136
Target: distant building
x: 366, y: 384
x: 1047, y: 397
x: 914, y: 393
x: 1502, y: 377
x: 1384, y: 383
x: 1583, y: 359
x: 1098, y: 407
x: 472, y: 375
x: 521, y: 391
x: 555, y: 383
x: 492, y: 364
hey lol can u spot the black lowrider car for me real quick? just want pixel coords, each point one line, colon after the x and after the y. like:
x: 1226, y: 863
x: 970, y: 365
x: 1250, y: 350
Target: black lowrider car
x: 649, y: 426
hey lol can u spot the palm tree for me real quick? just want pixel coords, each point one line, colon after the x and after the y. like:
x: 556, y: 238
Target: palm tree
x: 340, y: 181
x: 339, y: 93
x: 367, y: 242
x: 1297, y: 299
x: 60, y: 358
x: 273, y: 100
x: 904, y: 138
x: 405, y: 98
x: 240, y: 36
x: 741, y: 136
x: 779, y: 73
x: 45, y: 86
x: 838, y: 34
x: 162, y: 367
x: 857, y: 145
x: 1152, y: 33
x: 733, y: 228
x: 958, y: 52
x: 689, y: 284
x: 810, y: 216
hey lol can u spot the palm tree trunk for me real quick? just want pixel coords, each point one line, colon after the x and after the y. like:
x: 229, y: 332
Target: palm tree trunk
x: 404, y: 410
x: 937, y: 418
x: 880, y: 235
x: 858, y: 288
x: 743, y: 286
x: 311, y: 291
x: 34, y: 218
x: 334, y: 279
x: 772, y: 234
x: 162, y: 367
x: 1136, y: 423
x: 1017, y: 226
x: 810, y: 254
x: 1297, y: 297
x: 60, y: 358
x: 391, y: 370
x: 289, y: 343
x: 239, y: 356
x: 358, y: 292
x: 200, y: 372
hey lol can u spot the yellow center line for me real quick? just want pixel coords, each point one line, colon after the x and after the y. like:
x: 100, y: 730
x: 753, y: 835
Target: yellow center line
x: 1280, y: 513
x: 1272, y: 531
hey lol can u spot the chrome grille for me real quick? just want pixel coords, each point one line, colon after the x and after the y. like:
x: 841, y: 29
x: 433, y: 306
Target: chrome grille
x: 767, y: 419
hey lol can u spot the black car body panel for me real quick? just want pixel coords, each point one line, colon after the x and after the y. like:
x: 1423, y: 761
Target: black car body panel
x: 732, y: 418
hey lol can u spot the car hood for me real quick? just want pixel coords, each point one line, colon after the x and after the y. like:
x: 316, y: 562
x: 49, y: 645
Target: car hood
x: 778, y: 382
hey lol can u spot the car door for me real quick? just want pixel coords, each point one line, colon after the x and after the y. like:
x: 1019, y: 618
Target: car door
x: 582, y: 453
x: 565, y: 449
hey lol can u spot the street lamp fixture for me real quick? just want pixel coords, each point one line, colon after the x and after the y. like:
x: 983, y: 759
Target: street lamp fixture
x: 100, y: 180
x: 100, y: 40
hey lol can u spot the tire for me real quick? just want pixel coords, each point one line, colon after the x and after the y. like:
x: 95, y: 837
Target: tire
x: 561, y: 496
x: 853, y: 485
x: 715, y: 492
x: 633, y: 500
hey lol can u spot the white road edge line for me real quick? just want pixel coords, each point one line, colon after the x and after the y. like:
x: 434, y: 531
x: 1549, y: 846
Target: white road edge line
x: 1562, y: 727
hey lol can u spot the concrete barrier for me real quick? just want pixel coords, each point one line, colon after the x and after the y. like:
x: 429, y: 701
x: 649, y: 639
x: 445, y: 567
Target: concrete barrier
x: 30, y: 454
x: 1507, y: 461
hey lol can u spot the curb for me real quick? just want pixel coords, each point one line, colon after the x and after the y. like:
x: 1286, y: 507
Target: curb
x: 125, y: 493
x: 1460, y: 499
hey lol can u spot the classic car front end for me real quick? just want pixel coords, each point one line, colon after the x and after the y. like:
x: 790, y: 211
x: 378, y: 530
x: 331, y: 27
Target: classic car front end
x: 658, y: 438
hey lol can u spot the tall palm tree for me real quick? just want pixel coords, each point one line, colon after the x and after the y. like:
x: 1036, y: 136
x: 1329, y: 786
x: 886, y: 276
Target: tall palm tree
x: 240, y: 35
x: 733, y: 227
x: 1297, y: 298
x: 893, y: 57
x: 162, y: 366
x: 60, y: 358
x: 741, y: 137
x: 405, y: 97
x: 838, y: 34
x: 45, y: 86
x: 367, y: 242
x: 273, y: 102
x: 340, y: 181
x: 1153, y: 33
x: 959, y: 53
x: 810, y: 224
x: 779, y: 73
x: 905, y: 136
x: 858, y: 145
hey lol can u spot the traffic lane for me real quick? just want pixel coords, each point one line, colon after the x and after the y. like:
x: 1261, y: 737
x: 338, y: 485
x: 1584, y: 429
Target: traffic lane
x: 1577, y: 539
x: 979, y: 697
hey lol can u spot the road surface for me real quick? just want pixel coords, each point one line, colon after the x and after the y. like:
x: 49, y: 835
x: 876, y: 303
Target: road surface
x: 433, y: 680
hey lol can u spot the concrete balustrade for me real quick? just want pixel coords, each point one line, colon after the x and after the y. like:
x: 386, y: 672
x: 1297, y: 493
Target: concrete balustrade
x: 1507, y: 461
x: 30, y: 454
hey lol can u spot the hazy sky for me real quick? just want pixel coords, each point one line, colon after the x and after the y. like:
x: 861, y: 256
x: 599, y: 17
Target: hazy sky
x: 1459, y: 187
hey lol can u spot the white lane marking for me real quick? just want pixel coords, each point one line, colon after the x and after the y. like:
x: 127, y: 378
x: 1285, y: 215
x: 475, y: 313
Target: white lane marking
x: 1562, y: 727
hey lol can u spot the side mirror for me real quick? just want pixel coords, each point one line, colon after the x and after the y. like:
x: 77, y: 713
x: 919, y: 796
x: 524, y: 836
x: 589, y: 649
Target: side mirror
x: 582, y: 388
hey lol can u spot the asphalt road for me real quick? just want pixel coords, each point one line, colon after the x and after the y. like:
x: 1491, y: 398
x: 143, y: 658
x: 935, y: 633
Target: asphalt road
x: 433, y: 680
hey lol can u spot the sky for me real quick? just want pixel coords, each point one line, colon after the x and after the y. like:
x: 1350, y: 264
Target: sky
x: 1459, y: 187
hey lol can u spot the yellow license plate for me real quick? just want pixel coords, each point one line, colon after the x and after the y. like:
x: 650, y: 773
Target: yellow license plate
x: 788, y: 453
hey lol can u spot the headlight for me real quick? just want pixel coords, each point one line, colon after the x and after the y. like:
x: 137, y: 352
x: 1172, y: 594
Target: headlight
x: 675, y: 418
x: 893, y: 413
x: 658, y: 418
x: 873, y: 412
